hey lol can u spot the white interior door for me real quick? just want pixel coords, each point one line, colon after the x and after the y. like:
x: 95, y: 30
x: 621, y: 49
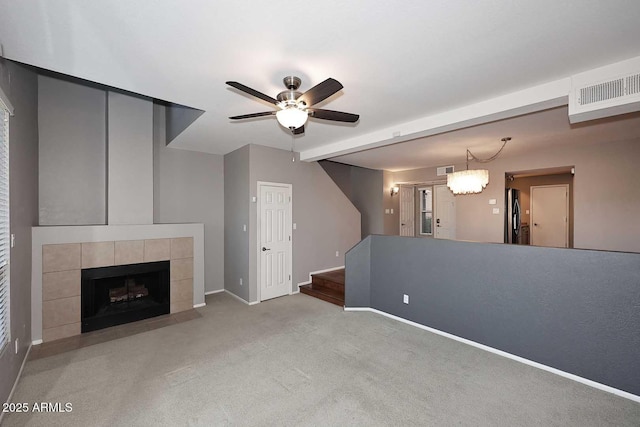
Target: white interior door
x: 407, y: 212
x: 445, y: 213
x: 550, y: 215
x: 275, y: 240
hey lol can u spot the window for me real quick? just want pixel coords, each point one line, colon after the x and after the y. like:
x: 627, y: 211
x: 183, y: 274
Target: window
x: 4, y: 226
x: 426, y: 211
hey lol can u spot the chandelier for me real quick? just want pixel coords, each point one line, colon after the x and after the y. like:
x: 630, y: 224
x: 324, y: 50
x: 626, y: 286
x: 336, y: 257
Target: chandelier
x: 471, y: 181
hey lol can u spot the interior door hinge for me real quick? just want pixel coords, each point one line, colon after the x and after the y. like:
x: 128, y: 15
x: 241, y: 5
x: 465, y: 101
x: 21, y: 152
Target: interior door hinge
x: 289, y: 277
x: 289, y: 238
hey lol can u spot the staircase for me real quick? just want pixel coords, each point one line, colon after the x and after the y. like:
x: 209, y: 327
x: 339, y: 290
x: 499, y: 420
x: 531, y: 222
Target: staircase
x: 327, y: 286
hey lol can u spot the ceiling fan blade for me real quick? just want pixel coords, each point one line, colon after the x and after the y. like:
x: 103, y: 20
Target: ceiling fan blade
x: 320, y: 92
x: 299, y: 131
x: 252, y: 92
x: 336, y: 116
x: 250, y: 116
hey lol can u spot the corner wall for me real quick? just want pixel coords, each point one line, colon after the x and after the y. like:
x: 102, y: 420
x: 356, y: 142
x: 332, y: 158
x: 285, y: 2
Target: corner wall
x: 21, y: 87
x: 188, y: 187
x: 326, y: 220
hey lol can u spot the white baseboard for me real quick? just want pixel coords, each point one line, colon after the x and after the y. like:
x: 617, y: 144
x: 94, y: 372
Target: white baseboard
x: 318, y: 272
x: 15, y: 383
x: 199, y: 305
x: 214, y: 292
x: 36, y: 342
x: 295, y: 292
x: 241, y: 299
x: 564, y: 374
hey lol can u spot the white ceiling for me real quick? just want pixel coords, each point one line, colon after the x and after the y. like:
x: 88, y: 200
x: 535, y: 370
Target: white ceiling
x: 398, y: 61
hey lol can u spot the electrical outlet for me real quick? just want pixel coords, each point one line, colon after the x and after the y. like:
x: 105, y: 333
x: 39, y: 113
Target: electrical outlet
x: 244, y: 227
x: 13, y: 240
x: 241, y: 281
x: 295, y: 227
x: 337, y: 253
x: 496, y: 211
x: 16, y: 345
x: 405, y: 299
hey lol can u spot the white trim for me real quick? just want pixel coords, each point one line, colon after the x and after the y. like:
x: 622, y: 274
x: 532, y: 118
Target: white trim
x: 258, y: 230
x: 15, y: 384
x: 564, y: 374
x: 296, y: 292
x: 214, y: 292
x: 241, y: 299
x: 199, y: 305
x: 317, y: 272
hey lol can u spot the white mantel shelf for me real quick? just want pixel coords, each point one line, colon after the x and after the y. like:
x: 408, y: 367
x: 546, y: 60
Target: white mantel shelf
x: 49, y: 235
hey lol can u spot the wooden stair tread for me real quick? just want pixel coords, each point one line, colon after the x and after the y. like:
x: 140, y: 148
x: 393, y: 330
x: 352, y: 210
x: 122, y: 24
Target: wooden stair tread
x: 323, y: 293
x: 336, y: 276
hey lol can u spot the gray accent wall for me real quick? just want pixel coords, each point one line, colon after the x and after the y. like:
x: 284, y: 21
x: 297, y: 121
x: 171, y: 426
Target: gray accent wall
x: 574, y: 310
x: 130, y: 164
x: 178, y: 118
x: 189, y: 187
x: 21, y: 87
x: 236, y: 215
x: 72, y: 153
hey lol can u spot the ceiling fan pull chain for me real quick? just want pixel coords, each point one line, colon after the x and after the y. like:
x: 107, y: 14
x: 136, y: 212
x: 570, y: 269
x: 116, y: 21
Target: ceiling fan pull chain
x: 293, y: 146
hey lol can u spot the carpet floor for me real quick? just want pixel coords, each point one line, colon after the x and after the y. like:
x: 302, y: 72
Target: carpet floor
x: 300, y: 361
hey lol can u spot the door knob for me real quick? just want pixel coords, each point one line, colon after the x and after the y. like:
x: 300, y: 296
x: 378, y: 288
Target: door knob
x: 535, y: 224
x: 265, y: 249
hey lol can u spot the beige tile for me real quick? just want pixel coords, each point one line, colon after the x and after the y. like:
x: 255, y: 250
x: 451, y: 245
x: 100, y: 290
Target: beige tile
x: 60, y: 284
x: 182, y: 248
x: 182, y: 290
x: 157, y: 250
x: 129, y: 252
x: 60, y: 257
x: 179, y: 306
x: 181, y: 269
x: 60, y: 312
x: 64, y: 331
x: 97, y: 254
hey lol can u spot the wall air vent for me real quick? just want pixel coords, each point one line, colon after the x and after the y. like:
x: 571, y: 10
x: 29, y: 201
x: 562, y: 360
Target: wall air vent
x: 443, y: 170
x: 606, y: 91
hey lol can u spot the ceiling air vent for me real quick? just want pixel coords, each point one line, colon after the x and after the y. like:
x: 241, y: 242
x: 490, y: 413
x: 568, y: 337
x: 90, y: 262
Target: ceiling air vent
x: 443, y: 170
x: 605, y: 92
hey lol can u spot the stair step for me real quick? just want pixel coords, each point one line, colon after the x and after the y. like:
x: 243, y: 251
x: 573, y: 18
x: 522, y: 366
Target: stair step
x: 336, y: 276
x: 326, y: 294
x: 319, y: 283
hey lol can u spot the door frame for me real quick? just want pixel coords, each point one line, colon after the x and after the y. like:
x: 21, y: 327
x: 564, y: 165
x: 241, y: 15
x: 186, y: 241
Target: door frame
x: 259, y: 235
x: 566, y: 222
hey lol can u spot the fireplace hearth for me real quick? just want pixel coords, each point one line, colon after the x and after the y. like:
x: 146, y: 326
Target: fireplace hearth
x: 125, y: 293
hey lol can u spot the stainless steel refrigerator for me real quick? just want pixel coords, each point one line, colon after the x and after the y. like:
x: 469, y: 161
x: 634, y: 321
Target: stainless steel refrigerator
x: 512, y: 225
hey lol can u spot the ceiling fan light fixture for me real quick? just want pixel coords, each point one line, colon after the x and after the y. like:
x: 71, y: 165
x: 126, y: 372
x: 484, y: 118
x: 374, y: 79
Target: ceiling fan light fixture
x: 292, y: 117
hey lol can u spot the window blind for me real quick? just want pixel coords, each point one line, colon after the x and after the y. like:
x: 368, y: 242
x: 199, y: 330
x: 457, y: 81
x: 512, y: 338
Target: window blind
x: 4, y: 227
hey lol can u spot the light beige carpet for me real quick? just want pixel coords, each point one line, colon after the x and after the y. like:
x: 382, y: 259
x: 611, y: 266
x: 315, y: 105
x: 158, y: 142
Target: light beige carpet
x: 300, y: 361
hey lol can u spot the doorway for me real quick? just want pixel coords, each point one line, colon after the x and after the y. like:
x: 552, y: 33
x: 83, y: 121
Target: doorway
x: 522, y: 183
x: 407, y: 211
x: 274, y: 239
x: 550, y: 215
x: 445, y: 213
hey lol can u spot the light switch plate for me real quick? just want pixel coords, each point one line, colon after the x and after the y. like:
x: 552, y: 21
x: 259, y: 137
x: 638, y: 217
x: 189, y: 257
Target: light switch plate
x: 386, y: 211
x: 493, y: 201
x: 391, y: 210
x: 496, y: 211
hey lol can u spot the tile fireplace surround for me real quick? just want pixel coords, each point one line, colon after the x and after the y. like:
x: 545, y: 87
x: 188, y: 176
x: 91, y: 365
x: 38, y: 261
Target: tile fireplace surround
x: 59, y: 254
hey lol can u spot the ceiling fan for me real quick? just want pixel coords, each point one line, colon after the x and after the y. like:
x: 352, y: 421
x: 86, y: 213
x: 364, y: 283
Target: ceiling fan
x: 295, y: 107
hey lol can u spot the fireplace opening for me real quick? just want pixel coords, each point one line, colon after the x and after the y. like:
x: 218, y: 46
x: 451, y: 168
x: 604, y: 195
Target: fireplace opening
x: 125, y: 293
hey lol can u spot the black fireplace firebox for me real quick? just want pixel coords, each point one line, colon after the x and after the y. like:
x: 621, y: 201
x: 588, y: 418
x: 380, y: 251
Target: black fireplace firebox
x: 125, y: 293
